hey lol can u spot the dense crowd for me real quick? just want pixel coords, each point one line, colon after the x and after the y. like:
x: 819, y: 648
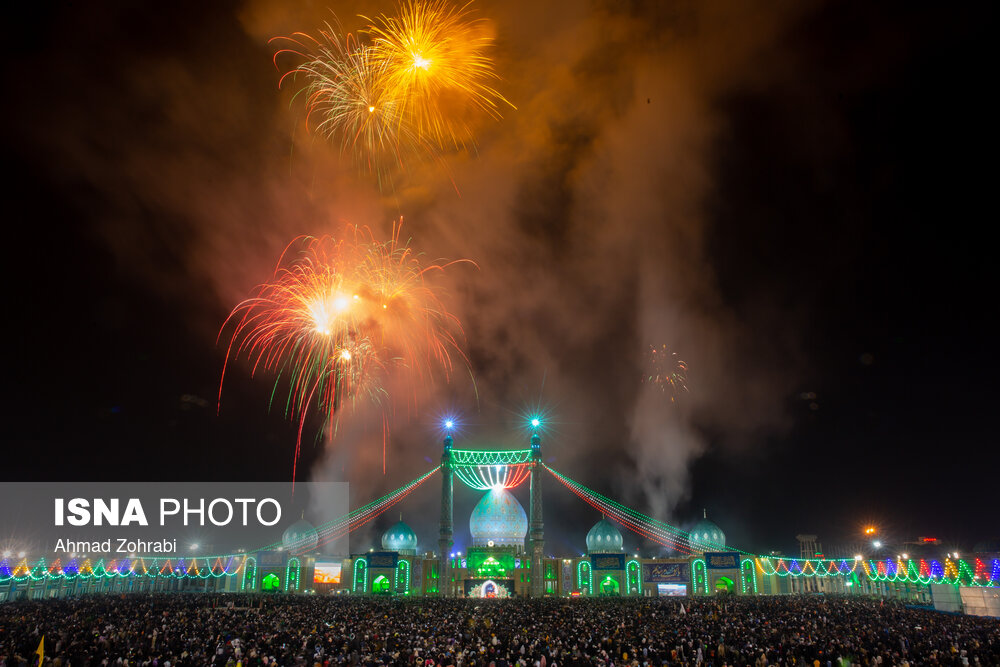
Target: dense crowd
x: 166, y: 630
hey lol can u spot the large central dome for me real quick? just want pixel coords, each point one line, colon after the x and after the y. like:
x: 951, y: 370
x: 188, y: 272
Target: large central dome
x: 498, y: 518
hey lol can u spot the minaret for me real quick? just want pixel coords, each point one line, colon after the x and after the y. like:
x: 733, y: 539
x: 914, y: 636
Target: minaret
x: 446, y: 534
x: 537, y: 531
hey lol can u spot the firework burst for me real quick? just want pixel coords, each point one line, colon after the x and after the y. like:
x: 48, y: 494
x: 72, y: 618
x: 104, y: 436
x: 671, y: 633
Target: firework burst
x: 666, y: 372
x: 339, y: 319
x: 438, y: 66
x: 348, y: 100
x: 407, y: 89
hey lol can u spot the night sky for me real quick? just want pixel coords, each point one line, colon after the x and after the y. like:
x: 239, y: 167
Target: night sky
x: 792, y: 196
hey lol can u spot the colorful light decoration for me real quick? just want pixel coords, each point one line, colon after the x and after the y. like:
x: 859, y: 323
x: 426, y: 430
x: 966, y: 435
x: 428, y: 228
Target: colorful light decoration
x: 484, y: 478
x: 348, y: 523
x: 197, y: 568
x: 200, y: 567
x: 483, y: 457
x: 901, y: 570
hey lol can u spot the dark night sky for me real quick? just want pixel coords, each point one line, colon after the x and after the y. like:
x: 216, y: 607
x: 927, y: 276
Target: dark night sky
x: 796, y: 202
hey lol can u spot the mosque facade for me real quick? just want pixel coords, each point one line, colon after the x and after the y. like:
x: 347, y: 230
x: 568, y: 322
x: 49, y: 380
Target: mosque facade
x: 506, y: 557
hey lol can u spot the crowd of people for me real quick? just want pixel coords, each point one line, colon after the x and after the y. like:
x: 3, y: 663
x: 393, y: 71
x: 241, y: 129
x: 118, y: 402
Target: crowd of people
x: 171, y: 630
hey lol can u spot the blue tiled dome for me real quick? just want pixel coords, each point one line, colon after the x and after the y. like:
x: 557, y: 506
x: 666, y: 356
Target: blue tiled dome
x: 604, y: 538
x: 400, y: 537
x: 300, y: 537
x: 709, y: 536
x: 498, y: 518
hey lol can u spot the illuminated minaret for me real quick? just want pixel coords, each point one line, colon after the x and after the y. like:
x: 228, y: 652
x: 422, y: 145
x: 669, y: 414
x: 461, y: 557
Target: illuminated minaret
x: 446, y: 535
x: 537, y: 530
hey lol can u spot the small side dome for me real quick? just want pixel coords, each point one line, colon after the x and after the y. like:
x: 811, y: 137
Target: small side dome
x: 604, y: 538
x: 708, y: 536
x: 300, y: 537
x: 401, y: 538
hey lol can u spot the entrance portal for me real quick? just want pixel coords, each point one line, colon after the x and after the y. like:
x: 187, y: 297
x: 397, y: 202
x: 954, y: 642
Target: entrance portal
x: 609, y: 586
x: 271, y: 582
x: 381, y: 584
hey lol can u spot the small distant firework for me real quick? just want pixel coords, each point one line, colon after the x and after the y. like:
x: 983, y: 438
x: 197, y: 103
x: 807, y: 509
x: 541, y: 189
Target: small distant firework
x: 405, y: 89
x: 339, y: 318
x: 666, y: 371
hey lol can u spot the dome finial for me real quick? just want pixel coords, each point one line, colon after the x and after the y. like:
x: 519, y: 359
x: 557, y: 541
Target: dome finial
x: 704, y: 513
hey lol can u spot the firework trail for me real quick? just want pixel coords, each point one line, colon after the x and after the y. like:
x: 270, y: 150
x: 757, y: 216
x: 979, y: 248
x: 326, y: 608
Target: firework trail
x: 407, y: 90
x: 339, y: 318
x: 665, y: 370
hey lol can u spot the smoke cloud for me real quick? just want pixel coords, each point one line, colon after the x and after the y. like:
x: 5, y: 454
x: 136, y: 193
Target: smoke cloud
x: 585, y: 212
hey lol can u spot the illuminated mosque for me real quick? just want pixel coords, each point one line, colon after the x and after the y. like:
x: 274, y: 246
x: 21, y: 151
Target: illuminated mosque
x: 507, y: 556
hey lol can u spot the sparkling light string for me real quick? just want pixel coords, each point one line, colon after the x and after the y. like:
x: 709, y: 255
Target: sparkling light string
x: 688, y: 541
x: 339, y: 527
x: 634, y: 521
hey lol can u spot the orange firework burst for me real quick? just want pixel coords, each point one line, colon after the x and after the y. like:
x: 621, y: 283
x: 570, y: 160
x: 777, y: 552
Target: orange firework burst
x: 339, y: 318
x: 438, y: 66
x: 411, y: 87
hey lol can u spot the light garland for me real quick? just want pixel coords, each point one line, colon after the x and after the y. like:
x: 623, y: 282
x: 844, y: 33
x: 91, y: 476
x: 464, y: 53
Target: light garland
x: 200, y: 567
x: 461, y: 458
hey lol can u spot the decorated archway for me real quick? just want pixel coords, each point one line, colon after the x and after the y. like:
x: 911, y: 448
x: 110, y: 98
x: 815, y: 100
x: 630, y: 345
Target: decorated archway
x: 609, y: 586
x: 724, y: 585
x: 381, y: 584
x: 271, y: 583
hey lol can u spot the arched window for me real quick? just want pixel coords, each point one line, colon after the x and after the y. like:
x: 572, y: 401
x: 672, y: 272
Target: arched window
x: 699, y: 577
x: 584, y: 578
x: 633, y: 577
x: 249, y: 574
x: 360, y: 575
x: 292, y: 572
x: 402, y: 577
x: 749, y: 578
